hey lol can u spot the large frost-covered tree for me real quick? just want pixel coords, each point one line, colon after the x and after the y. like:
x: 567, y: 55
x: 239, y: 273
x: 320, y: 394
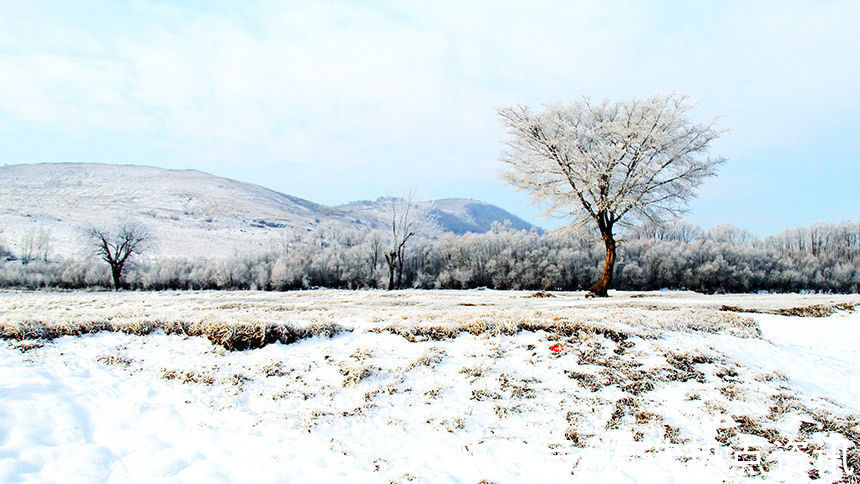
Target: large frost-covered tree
x: 611, y: 163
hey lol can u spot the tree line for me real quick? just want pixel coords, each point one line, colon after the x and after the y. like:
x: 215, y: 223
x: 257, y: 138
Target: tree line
x: 675, y: 255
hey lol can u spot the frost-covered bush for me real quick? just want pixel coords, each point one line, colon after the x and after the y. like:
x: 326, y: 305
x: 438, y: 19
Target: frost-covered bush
x: 678, y: 255
x: 6, y: 255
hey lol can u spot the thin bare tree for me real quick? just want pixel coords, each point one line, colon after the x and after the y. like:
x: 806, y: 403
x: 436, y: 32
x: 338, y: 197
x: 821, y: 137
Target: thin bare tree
x: 406, y: 219
x: 117, y: 246
x: 35, y: 245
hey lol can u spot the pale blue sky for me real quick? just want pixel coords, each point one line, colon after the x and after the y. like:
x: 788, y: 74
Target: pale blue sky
x: 337, y: 101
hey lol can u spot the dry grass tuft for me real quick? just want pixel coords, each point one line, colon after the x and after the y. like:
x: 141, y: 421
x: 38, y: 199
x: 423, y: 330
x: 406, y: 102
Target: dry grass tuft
x: 573, y: 328
x: 450, y: 424
x: 481, y: 394
x: 114, y: 360
x: 541, y: 294
x: 638, y: 386
x: 782, y: 404
x: 557, y: 328
x: 673, y: 435
x: 231, y: 336
x: 416, y: 334
x: 576, y: 439
x: 730, y: 391
x: 848, y: 427
x: 714, y: 408
x: 644, y: 417
x: 243, y: 336
x: 238, y: 380
x: 586, y: 380
x: 519, y: 388
x: 727, y: 374
x: 274, y: 368
x: 714, y: 322
x: 430, y: 359
x: 726, y: 435
x: 749, y: 426
x: 624, y: 346
x: 352, y: 375
x: 814, y: 311
x: 27, y: 345
x: 772, y: 376
x: 473, y: 371
x: 844, y: 307
x: 187, y: 376
x: 361, y: 354
x: 736, y: 309
x: 35, y: 330
x: 433, y: 393
x: 682, y: 366
x: 623, y: 406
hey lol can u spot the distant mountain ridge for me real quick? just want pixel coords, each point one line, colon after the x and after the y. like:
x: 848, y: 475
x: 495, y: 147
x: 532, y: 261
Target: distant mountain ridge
x: 456, y: 215
x: 190, y: 213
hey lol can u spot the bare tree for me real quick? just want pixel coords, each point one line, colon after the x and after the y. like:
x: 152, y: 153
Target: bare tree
x: 35, y: 245
x: 613, y: 163
x: 116, y: 246
x: 375, y: 243
x: 405, y: 219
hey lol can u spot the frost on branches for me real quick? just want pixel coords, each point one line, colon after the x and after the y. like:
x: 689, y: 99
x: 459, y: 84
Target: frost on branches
x: 405, y: 218
x: 613, y: 163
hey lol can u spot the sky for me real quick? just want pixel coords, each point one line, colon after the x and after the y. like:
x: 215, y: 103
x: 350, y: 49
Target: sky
x: 342, y: 101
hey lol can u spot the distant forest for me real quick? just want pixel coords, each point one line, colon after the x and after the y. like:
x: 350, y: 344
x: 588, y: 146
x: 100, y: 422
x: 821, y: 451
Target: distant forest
x: 821, y: 258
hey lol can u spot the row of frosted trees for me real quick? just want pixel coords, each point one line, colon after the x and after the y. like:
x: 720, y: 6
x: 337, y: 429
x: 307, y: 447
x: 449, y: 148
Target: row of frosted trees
x: 678, y: 255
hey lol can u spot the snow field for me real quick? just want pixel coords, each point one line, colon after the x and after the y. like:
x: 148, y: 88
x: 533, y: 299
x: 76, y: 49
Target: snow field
x: 635, y: 395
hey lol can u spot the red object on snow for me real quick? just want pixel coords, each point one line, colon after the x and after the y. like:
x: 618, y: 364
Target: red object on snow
x: 556, y: 348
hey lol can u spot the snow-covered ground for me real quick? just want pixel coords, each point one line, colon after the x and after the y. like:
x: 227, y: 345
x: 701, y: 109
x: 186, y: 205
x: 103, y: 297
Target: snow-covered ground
x: 434, y: 386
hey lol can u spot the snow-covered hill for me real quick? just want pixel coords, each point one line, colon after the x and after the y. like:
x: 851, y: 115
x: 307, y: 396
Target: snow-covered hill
x: 190, y: 213
x: 457, y: 215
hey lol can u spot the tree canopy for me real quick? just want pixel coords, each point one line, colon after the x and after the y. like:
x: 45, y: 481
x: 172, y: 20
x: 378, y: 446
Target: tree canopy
x: 613, y: 163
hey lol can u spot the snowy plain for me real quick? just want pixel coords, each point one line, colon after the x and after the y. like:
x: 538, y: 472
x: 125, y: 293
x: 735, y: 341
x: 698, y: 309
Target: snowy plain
x: 432, y: 386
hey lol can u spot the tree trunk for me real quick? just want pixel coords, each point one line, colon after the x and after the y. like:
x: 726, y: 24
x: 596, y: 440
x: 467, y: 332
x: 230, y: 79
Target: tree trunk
x: 391, y: 259
x: 116, y: 273
x: 373, y: 262
x: 399, y: 271
x: 599, y: 289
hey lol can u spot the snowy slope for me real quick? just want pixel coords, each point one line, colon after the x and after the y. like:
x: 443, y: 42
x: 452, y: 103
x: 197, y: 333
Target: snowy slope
x: 191, y: 213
